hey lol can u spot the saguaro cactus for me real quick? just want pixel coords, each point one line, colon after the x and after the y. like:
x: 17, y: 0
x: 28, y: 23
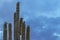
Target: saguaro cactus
x: 10, y: 31
x: 23, y: 31
x: 28, y: 33
x: 19, y: 27
x: 5, y: 31
x: 16, y: 22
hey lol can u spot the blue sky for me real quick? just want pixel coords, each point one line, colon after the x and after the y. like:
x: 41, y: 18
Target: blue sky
x: 43, y: 16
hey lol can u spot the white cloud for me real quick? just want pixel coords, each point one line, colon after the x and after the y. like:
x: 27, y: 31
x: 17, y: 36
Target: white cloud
x: 56, y: 34
x: 1, y: 33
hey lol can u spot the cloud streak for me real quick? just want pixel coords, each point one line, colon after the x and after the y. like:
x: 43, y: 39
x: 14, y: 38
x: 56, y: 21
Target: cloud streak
x: 49, y: 8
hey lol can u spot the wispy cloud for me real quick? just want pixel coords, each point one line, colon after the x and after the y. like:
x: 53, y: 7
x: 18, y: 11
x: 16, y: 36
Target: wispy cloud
x: 2, y: 2
x: 49, y: 8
